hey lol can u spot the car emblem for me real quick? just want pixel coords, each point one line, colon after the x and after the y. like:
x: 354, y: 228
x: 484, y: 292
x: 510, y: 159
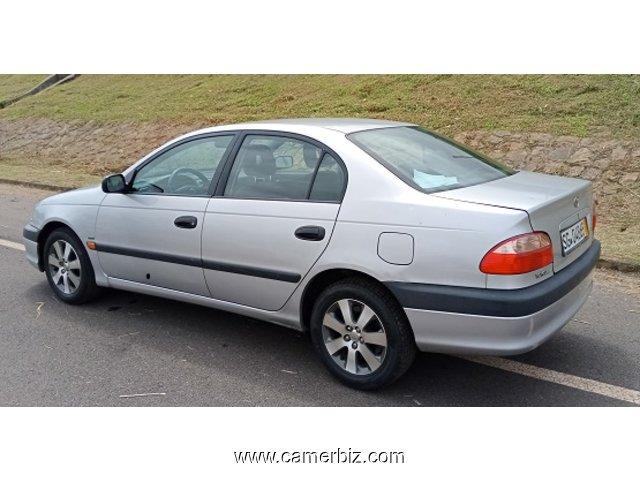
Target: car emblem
x: 576, y: 202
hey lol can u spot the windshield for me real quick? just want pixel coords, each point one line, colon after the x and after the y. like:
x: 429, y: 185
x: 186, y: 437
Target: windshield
x: 426, y: 161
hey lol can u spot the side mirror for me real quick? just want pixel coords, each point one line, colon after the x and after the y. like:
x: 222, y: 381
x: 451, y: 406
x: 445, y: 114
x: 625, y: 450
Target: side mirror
x: 284, y: 162
x: 114, y: 184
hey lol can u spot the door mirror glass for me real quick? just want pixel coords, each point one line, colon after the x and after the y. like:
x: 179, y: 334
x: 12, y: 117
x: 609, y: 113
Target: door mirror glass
x: 114, y: 184
x: 284, y: 162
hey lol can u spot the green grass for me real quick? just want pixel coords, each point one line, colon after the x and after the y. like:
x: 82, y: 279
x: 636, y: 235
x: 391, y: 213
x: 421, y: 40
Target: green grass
x: 13, y: 85
x: 579, y: 105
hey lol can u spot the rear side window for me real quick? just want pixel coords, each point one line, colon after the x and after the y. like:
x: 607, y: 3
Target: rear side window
x: 426, y: 161
x: 281, y: 168
x: 330, y: 181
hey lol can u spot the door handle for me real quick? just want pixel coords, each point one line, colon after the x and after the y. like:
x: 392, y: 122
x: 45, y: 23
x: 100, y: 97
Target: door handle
x: 186, y: 222
x: 313, y: 233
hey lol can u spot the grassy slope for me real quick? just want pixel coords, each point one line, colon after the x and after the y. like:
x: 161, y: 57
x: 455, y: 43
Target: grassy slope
x: 13, y: 85
x: 570, y: 104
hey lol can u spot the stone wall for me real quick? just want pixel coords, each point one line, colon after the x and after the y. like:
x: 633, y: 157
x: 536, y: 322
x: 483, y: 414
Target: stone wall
x: 98, y: 149
x: 613, y: 165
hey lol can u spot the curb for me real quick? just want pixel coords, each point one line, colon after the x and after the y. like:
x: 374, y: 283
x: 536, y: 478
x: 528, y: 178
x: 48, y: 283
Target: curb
x: 624, y: 267
x: 41, y: 186
x: 604, y: 263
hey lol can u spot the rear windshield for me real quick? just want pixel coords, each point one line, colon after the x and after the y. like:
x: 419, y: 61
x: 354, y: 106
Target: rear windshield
x: 426, y: 161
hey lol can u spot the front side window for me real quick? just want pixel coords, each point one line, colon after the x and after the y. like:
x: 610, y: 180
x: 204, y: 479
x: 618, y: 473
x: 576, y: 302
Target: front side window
x: 283, y: 168
x: 426, y: 161
x: 187, y: 169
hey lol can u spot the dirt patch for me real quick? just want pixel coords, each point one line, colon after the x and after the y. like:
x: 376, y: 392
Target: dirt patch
x: 88, y: 147
x: 627, y: 282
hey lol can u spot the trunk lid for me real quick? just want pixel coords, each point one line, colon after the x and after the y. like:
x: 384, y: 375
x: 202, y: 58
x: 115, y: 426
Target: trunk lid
x: 553, y: 204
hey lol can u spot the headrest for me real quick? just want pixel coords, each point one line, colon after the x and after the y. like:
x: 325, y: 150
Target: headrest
x: 258, y: 161
x: 311, y: 155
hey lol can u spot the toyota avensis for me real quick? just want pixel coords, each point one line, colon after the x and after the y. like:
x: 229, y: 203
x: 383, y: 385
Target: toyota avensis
x: 376, y: 237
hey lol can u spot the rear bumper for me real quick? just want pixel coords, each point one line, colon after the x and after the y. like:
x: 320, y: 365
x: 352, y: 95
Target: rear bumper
x: 496, y: 322
x: 30, y: 240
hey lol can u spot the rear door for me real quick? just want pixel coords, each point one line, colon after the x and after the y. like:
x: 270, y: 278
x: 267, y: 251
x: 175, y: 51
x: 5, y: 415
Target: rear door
x: 152, y: 235
x: 271, y: 220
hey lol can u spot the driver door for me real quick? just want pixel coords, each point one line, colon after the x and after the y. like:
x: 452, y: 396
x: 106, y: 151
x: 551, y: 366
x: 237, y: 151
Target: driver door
x: 152, y: 235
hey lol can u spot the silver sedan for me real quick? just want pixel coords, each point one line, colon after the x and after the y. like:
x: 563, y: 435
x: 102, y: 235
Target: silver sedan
x: 378, y: 238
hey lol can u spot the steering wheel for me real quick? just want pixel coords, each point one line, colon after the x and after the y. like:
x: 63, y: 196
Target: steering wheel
x: 174, y: 186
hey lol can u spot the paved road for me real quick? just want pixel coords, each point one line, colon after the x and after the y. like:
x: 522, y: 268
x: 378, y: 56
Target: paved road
x: 52, y: 354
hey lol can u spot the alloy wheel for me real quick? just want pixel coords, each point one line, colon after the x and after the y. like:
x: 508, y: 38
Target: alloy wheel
x: 354, y: 336
x: 64, y: 267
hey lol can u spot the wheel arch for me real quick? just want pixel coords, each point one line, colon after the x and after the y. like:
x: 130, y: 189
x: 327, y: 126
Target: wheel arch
x: 321, y: 281
x: 44, y: 234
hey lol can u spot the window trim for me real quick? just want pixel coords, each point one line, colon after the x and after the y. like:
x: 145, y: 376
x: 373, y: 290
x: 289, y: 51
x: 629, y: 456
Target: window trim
x: 314, y: 175
x: 233, y: 156
x: 234, y: 134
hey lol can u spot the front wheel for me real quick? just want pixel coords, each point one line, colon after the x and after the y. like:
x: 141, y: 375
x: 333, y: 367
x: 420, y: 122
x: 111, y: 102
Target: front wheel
x: 362, y: 334
x: 68, y: 268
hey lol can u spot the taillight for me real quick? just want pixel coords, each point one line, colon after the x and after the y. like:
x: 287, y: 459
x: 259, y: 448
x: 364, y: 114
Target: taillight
x: 521, y: 254
x: 593, y: 215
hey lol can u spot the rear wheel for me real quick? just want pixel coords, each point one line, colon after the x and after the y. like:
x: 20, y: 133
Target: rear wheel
x: 68, y: 268
x: 362, y: 334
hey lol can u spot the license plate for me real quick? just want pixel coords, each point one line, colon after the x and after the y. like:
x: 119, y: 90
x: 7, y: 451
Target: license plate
x: 573, y: 236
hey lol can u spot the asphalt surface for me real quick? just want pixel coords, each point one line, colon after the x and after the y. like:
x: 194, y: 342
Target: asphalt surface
x: 53, y: 354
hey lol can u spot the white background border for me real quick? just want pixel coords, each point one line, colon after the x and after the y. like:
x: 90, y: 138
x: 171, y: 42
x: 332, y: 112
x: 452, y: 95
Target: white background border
x: 319, y: 37
x: 355, y: 36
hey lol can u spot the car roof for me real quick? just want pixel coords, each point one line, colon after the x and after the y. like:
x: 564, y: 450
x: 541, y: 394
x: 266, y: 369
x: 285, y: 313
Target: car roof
x: 344, y: 125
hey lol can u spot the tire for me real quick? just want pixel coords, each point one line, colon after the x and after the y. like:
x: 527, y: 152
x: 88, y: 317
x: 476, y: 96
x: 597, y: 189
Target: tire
x: 362, y: 354
x: 68, y: 268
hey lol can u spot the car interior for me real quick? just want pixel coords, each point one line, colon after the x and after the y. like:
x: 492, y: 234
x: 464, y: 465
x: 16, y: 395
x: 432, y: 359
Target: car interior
x: 263, y: 174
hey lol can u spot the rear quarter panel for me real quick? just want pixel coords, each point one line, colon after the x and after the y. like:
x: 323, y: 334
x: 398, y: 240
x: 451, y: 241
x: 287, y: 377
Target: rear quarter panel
x: 450, y: 237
